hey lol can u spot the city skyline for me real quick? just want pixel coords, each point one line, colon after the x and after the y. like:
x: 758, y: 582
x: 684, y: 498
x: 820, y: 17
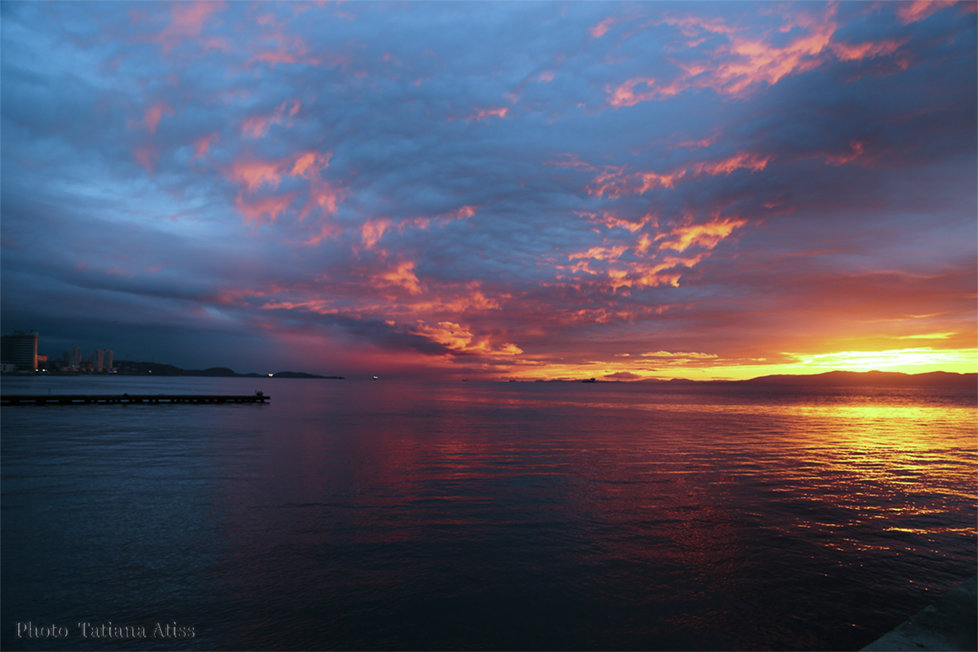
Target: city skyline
x: 532, y: 190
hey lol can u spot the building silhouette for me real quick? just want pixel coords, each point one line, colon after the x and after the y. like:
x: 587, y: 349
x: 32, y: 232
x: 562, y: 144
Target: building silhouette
x: 102, y: 361
x: 73, y: 359
x: 19, y: 349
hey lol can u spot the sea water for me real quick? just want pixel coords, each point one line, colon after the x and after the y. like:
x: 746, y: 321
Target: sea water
x: 350, y: 514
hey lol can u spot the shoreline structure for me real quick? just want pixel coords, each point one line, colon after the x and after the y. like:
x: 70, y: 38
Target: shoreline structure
x: 951, y: 623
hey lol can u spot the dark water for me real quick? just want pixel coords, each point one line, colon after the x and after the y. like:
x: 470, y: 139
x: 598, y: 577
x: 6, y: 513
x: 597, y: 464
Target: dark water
x: 365, y: 515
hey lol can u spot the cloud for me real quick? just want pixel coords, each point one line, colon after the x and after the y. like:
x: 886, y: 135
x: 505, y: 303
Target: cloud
x: 911, y: 12
x: 187, y: 20
x: 497, y: 189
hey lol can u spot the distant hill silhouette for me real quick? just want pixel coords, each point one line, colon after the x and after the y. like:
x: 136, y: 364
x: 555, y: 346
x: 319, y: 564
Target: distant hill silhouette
x: 129, y: 368
x: 841, y: 379
x: 871, y: 379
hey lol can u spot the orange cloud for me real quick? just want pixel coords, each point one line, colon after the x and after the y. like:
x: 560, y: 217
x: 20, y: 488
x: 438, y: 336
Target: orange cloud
x: 600, y: 253
x: 746, y: 62
x: 644, y: 243
x: 614, y: 182
x: 461, y: 339
x: 485, y: 114
x: 402, y: 275
x: 741, y: 160
x: 701, y: 235
x: 613, y: 222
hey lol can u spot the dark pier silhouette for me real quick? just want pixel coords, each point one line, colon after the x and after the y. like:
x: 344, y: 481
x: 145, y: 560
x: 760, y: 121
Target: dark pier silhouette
x: 129, y: 399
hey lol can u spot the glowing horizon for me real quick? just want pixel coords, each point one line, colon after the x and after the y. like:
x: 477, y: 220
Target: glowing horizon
x: 908, y: 361
x: 515, y: 190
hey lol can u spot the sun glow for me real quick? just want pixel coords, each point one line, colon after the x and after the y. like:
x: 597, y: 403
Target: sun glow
x: 916, y: 360
x: 701, y: 366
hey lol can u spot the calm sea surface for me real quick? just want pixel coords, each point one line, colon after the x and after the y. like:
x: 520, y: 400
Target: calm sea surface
x: 364, y: 515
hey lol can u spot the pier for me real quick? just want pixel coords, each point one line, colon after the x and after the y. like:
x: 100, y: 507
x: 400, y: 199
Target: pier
x: 129, y: 399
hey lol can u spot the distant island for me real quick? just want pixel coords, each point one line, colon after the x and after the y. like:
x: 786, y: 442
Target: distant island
x: 872, y: 379
x: 847, y: 379
x: 129, y: 368
x: 827, y: 379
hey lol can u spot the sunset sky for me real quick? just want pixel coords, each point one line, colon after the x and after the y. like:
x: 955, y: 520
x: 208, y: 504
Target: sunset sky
x: 505, y: 190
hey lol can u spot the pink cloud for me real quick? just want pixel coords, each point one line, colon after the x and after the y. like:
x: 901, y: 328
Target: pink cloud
x: 153, y: 115
x: 146, y: 156
x: 698, y: 144
x: 217, y: 44
x: 599, y: 30
x: 187, y: 19
x: 616, y: 182
x: 746, y: 62
x: 326, y: 230
x: 465, y: 212
x: 920, y: 9
x: 692, y: 26
x: 373, y: 230
x: 264, y: 209
x: 857, y: 149
x: 308, y: 162
x: 324, y: 195
x: 257, y: 126
x: 254, y: 173
x: 485, y: 114
x: 633, y: 91
x: 742, y: 160
x: 570, y: 161
x: 849, y: 52
x: 203, y: 145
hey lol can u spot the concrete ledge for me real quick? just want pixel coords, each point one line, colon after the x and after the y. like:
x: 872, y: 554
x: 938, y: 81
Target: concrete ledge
x: 951, y: 623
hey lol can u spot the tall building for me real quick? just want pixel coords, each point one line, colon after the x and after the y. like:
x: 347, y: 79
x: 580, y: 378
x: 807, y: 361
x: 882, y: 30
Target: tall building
x: 102, y: 361
x: 20, y: 350
x: 73, y: 359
